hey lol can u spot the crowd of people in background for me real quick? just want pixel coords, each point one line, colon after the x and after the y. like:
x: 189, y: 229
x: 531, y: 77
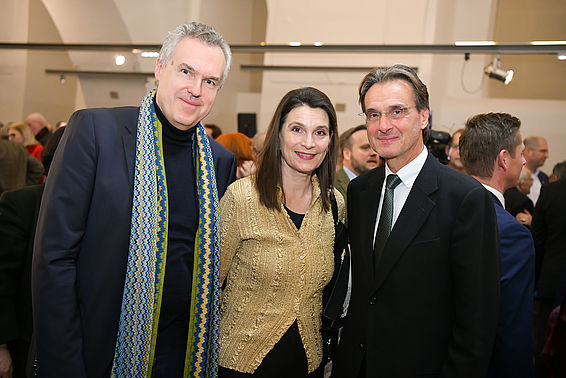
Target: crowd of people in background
x: 456, y: 269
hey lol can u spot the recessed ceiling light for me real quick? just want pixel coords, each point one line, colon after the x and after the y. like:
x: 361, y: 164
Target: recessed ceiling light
x: 120, y: 59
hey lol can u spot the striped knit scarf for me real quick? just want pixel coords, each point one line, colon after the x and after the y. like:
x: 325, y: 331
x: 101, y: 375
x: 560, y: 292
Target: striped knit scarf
x: 143, y: 288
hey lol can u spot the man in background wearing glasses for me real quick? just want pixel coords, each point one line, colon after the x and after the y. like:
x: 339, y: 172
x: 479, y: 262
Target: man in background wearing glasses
x: 453, y: 152
x: 424, y: 249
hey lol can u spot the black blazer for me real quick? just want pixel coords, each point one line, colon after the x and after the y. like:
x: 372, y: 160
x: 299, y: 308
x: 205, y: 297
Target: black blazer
x: 81, y: 245
x: 431, y: 309
x: 549, y: 232
x: 516, y: 202
x: 18, y: 216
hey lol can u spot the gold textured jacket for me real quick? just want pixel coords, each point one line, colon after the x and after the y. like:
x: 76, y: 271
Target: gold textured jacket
x: 276, y: 275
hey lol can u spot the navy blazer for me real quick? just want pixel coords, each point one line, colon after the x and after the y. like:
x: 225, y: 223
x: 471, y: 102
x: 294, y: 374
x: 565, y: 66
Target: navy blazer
x: 431, y: 309
x: 514, y: 344
x: 81, y: 244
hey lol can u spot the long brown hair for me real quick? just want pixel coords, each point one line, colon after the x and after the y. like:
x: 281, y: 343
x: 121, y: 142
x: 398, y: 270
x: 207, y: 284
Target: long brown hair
x: 268, y: 176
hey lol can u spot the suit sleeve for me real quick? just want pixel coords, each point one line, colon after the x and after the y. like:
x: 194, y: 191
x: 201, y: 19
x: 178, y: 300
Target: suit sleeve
x: 475, y: 276
x: 514, y: 347
x: 13, y: 249
x: 60, y: 229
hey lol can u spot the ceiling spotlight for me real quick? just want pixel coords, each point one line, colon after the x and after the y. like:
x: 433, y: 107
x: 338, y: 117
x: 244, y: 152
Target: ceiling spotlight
x: 120, y: 59
x: 494, y: 71
x: 561, y: 55
x: 149, y: 54
x: 62, y: 79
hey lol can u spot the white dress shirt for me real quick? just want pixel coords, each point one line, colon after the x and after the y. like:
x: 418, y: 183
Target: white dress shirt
x: 351, y: 175
x: 535, y: 188
x: 496, y: 193
x: 408, y: 174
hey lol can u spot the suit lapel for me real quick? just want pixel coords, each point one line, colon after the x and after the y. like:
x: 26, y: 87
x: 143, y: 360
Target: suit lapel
x: 371, y: 194
x: 129, y: 143
x: 413, y: 215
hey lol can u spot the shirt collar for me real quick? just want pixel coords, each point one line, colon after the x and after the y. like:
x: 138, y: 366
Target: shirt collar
x: 496, y: 193
x: 351, y: 175
x: 408, y: 174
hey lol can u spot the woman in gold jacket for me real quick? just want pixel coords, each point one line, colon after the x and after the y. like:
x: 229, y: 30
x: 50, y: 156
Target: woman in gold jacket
x: 277, y: 245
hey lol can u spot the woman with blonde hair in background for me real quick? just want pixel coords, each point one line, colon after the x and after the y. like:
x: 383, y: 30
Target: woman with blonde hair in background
x: 21, y: 133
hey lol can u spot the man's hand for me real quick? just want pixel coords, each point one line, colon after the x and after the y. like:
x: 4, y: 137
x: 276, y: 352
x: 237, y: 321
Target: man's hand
x: 525, y: 218
x: 5, y: 362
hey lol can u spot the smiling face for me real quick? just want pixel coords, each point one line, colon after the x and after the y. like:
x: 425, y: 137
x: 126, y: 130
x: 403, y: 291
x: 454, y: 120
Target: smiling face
x: 398, y: 141
x: 304, y: 136
x: 189, y: 82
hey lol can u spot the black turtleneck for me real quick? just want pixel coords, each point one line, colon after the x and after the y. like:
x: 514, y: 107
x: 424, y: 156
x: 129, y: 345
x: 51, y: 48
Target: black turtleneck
x: 183, y: 223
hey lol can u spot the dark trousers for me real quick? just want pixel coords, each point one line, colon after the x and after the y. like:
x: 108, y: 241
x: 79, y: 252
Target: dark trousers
x: 546, y: 307
x: 286, y: 359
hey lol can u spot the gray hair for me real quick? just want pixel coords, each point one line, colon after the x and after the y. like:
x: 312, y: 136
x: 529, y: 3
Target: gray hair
x: 397, y: 72
x: 198, y: 31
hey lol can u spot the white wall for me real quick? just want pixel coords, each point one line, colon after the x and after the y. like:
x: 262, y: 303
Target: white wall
x: 26, y: 87
x: 391, y: 22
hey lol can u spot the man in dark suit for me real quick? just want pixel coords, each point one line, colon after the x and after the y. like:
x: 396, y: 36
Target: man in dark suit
x: 424, y: 298
x: 357, y: 157
x: 117, y: 169
x: 549, y: 223
x: 492, y: 152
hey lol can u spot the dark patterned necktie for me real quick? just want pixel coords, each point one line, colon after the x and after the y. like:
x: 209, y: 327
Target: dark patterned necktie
x: 385, y: 219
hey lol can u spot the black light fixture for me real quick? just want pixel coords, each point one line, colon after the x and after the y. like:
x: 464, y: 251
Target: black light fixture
x: 494, y: 71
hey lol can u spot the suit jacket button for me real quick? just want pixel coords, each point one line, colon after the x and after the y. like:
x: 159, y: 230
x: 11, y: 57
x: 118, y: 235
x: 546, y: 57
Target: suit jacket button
x: 372, y: 300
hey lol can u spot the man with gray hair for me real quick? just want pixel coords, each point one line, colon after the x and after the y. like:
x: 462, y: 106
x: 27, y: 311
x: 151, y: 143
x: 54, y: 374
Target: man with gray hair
x: 125, y: 268
x: 38, y: 125
x: 492, y: 152
x: 424, y: 249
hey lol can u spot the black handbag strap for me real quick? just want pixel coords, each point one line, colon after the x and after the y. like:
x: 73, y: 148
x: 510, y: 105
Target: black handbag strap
x: 334, y: 206
x: 335, y: 292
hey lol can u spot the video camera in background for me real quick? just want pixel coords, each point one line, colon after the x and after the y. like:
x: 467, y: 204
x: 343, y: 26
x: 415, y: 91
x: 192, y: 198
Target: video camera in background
x: 436, y: 144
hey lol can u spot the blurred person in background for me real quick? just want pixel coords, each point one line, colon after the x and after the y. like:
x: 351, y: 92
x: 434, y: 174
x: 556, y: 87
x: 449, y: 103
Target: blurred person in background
x: 453, y: 152
x: 18, y: 216
x: 21, y: 133
x: 18, y: 168
x: 357, y: 157
x: 258, y: 141
x: 241, y: 146
x: 212, y: 130
x: 517, y: 201
x: 39, y: 127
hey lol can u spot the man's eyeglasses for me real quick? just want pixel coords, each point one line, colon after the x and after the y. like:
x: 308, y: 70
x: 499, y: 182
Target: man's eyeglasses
x: 393, y: 114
